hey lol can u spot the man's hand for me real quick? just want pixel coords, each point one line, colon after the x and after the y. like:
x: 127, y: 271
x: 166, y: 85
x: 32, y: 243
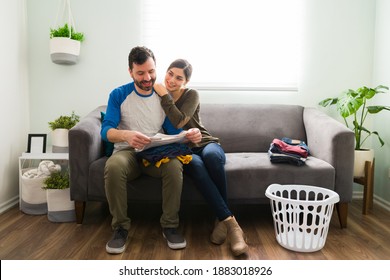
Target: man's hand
x: 136, y: 139
x: 160, y: 89
x: 194, y: 135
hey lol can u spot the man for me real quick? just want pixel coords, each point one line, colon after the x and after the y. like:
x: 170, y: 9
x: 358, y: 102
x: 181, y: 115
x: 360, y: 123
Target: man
x: 133, y: 115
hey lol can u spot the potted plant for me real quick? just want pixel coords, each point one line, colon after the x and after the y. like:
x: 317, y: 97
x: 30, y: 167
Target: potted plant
x: 353, y: 108
x: 65, y: 44
x: 59, y: 206
x: 60, y: 130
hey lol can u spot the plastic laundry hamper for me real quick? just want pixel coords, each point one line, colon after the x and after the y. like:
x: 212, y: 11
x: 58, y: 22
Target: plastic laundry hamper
x: 301, y: 215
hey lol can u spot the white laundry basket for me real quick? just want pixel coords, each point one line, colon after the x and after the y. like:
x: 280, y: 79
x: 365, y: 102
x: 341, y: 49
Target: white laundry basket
x: 301, y: 215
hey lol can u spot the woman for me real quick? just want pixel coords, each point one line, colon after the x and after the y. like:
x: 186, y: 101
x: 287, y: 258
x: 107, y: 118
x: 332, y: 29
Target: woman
x: 207, y: 167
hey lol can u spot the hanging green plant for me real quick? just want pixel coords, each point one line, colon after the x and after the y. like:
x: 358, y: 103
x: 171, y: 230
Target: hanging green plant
x: 65, y: 41
x: 64, y: 31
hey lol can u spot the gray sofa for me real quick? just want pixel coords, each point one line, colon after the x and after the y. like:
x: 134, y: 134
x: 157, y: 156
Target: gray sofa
x: 245, y: 131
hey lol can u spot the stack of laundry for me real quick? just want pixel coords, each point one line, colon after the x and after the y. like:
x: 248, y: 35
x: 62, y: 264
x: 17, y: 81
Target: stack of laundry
x: 162, y: 154
x: 288, y: 150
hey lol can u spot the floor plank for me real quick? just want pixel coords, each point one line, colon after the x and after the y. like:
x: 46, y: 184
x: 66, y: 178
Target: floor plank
x: 28, y: 237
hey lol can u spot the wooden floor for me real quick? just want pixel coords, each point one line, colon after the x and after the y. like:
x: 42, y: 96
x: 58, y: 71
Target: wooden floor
x: 26, y: 237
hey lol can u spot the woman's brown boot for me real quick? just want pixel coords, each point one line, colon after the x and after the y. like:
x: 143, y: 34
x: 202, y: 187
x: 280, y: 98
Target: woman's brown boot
x: 236, y: 237
x: 218, y: 236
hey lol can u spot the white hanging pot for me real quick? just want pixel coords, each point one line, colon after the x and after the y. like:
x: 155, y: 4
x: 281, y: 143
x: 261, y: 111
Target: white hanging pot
x: 64, y: 50
x: 361, y: 156
x: 60, y: 137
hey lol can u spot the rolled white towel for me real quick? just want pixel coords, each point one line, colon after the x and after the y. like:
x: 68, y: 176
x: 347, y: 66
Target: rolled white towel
x: 31, y: 173
x: 46, y: 167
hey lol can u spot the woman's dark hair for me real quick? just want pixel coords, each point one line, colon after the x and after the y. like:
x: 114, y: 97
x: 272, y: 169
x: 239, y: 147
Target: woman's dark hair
x: 182, y: 64
x: 139, y: 55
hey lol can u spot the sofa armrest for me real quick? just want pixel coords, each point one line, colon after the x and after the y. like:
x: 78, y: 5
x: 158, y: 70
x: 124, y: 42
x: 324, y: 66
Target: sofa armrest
x: 333, y: 142
x: 85, y: 146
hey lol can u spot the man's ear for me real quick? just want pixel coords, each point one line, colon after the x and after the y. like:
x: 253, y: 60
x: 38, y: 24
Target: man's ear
x: 131, y: 73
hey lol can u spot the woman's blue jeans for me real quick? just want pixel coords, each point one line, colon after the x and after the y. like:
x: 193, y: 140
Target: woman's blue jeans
x: 207, y: 169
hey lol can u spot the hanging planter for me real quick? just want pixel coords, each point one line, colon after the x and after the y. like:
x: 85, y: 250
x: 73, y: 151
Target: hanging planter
x: 65, y: 42
x: 64, y: 50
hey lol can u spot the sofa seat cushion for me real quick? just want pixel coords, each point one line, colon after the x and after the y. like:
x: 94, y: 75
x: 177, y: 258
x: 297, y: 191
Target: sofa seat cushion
x: 249, y: 174
x: 254, y: 169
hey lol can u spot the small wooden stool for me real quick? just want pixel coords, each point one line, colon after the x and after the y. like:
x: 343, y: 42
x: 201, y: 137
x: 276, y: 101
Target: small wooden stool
x: 368, y: 183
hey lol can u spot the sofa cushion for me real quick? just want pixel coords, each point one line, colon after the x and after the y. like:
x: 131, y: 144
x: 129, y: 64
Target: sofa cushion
x: 252, y: 127
x: 257, y: 171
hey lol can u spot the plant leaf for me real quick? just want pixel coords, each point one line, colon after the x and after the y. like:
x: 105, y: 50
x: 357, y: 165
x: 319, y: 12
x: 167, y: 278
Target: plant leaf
x: 377, y: 109
x: 349, y: 103
x: 328, y: 102
x: 380, y: 87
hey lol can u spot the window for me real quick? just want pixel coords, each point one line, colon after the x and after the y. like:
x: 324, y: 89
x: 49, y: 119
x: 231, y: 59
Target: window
x: 238, y: 45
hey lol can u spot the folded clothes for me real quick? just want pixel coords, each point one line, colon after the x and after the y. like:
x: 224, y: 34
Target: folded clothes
x: 286, y: 158
x: 161, y: 154
x: 283, y: 147
x: 288, y: 151
x: 296, y: 142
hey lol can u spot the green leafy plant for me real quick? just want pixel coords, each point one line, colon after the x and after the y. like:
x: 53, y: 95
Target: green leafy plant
x: 65, y: 32
x: 66, y: 122
x: 353, y: 103
x: 56, y: 180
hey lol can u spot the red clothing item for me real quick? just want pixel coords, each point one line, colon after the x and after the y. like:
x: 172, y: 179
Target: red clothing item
x: 293, y: 149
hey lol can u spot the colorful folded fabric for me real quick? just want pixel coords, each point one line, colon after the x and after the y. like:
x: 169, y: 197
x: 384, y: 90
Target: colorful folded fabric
x: 162, y: 154
x: 296, y: 142
x: 288, y: 151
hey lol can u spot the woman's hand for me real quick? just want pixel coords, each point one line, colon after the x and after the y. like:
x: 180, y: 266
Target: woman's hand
x: 160, y: 89
x: 194, y: 135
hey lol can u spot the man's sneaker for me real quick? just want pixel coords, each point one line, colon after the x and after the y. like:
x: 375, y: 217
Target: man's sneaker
x: 117, y: 244
x: 174, y: 239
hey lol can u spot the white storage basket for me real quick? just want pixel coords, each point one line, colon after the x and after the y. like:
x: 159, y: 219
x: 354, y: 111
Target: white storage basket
x: 33, y: 197
x: 301, y: 215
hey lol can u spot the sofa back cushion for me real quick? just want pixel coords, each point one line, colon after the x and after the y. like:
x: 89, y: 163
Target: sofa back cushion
x: 252, y: 127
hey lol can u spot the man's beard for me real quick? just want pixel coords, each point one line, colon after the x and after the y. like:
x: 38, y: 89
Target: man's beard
x: 141, y: 84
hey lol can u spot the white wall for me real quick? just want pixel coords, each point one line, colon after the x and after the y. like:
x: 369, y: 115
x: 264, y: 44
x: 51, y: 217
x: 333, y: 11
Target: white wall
x: 111, y: 29
x: 14, y: 98
x: 338, y: 53
x: 381, y: 75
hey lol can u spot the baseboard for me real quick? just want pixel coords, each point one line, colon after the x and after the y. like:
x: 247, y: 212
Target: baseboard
x: 9, y: 204
x: 377, y: 200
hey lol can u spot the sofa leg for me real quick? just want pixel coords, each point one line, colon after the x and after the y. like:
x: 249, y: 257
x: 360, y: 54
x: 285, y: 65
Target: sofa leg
x: 80, y: 209
x: 342, y: 211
